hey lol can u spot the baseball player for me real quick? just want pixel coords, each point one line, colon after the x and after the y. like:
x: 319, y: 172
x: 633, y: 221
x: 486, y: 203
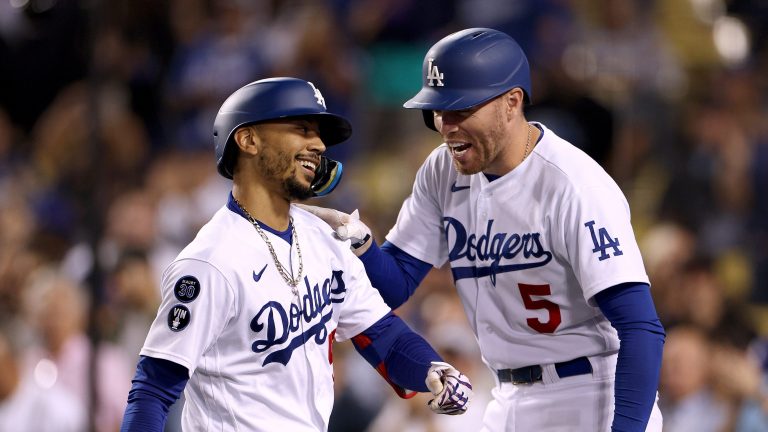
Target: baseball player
x: 251, y: 306
x: 540, y: 244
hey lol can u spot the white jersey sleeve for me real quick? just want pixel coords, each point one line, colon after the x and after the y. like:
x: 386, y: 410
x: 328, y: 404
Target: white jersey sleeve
x: 190, y: 289
x: 596, y: 231
x: 363, y: 305
x: 419, y: 228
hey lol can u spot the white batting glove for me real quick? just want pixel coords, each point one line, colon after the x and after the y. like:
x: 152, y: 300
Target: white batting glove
x: 451, y: 388
x: 347, y: 226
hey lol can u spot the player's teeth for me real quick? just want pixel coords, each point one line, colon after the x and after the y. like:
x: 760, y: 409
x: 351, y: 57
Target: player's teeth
x: 309, y: 165
x: 459, y: 149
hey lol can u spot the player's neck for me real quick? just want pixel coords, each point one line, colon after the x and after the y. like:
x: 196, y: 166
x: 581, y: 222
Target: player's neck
x: 521, y: 143
x: 268, y: 208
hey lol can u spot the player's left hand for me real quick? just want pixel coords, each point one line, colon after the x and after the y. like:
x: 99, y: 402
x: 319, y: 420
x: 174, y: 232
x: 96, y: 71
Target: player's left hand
x: 451, y: 388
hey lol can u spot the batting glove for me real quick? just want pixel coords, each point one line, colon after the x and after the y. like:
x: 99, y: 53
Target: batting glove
x: 451, y: 388
x: 347, y: 226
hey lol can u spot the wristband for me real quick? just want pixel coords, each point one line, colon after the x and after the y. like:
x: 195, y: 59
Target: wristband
x: 362, y: 242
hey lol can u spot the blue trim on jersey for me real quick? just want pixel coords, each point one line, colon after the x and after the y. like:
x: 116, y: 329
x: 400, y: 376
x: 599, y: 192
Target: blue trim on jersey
x: 156, y: 386
x: 286, y: 235
x: 393, y: 272
x: 405, y: 356
x: 629, y: 308
x: 493, y: 269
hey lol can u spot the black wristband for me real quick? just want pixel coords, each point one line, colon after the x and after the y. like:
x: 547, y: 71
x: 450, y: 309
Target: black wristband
x: 362, y: 242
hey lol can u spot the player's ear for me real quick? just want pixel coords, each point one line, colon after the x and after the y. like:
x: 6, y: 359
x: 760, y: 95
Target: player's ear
x: 247, y: 140
x: 513, y: 102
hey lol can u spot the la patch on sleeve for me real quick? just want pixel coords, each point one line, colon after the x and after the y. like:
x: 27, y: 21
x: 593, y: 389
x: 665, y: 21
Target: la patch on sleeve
x: 187, y: 289
x: 179, y: 317
x: 603, y: 241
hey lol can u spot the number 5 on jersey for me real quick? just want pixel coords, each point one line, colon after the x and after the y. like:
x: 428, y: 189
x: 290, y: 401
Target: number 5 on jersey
x: 553, y: 311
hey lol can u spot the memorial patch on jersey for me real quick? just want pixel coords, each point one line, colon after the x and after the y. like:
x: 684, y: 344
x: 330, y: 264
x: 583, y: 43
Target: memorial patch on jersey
x: 178, y: 318
x: 186, y: 289
x: 603, y: 241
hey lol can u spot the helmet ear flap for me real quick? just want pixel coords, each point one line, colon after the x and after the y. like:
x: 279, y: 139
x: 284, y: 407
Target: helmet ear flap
x: 327, y: 176
x: 227, y: 165
x: 429, y: 119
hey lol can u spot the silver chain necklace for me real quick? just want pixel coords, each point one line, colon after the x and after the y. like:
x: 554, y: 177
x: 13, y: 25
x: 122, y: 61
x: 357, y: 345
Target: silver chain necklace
x: 287, y: 276
x: 527, y: 144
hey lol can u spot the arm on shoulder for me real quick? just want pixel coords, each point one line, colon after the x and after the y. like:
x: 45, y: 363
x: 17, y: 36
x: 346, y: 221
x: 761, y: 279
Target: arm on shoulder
x: 393, y: 272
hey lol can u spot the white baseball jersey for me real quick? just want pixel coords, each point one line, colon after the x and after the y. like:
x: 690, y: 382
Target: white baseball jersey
x: 259, y: 357
x: 527, y: 251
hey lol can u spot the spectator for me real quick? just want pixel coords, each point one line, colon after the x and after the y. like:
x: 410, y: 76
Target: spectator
x: 686, y: 399
x: 29, y: 402
x: 56, y: 311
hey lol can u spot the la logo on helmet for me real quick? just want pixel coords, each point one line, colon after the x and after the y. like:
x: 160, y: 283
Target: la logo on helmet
x: 434, y: 74
x: 318, y: 95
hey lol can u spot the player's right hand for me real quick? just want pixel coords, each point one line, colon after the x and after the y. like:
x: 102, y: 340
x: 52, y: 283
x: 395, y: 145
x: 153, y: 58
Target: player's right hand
x: 451, y: 388
x: 346, y: 226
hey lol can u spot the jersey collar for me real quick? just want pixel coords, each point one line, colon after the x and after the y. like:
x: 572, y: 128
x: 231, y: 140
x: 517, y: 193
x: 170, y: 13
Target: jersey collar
x: 285, y: 235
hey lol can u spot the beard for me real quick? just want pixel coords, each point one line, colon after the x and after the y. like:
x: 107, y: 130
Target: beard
x: 297, y: 191
x: 487, y: 147
x: 275, y: 166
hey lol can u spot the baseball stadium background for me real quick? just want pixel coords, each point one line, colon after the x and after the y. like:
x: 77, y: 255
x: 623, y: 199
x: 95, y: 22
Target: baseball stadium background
x: 107, y: 171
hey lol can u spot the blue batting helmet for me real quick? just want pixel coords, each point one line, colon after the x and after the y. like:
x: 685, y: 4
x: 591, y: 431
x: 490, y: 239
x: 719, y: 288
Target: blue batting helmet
x: 468, y: 68
x: 269, y: 99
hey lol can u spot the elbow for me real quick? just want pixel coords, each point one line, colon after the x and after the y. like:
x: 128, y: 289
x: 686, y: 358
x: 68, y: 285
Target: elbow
x: 395, y: 299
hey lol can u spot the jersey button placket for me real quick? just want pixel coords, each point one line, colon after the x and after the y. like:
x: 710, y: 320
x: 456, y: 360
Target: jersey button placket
x: 480, y: 220
x: 482, y: 209
x: 480, y: 228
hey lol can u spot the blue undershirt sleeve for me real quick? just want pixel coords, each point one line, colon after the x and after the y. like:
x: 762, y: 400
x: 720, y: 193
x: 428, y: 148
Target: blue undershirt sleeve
x: 398, y: 353
x: 629, y: 307
x: 156, y: 386
x: 393, y: 272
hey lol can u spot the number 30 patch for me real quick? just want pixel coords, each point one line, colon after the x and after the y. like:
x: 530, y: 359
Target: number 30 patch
x: 187, y: 289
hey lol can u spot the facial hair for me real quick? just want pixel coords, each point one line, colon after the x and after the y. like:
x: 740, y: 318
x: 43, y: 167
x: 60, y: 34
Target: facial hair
x: 487, y: 147
x: 275, y: 165
x: 297, y: 191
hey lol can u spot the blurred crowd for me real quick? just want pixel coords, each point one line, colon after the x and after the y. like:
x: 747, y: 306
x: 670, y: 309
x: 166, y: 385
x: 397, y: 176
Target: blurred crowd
x: 107, y: 171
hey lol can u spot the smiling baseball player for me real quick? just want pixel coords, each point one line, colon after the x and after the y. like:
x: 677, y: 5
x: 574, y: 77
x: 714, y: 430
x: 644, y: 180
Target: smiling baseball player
x: 251, y: 306
x: 540, y: 244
